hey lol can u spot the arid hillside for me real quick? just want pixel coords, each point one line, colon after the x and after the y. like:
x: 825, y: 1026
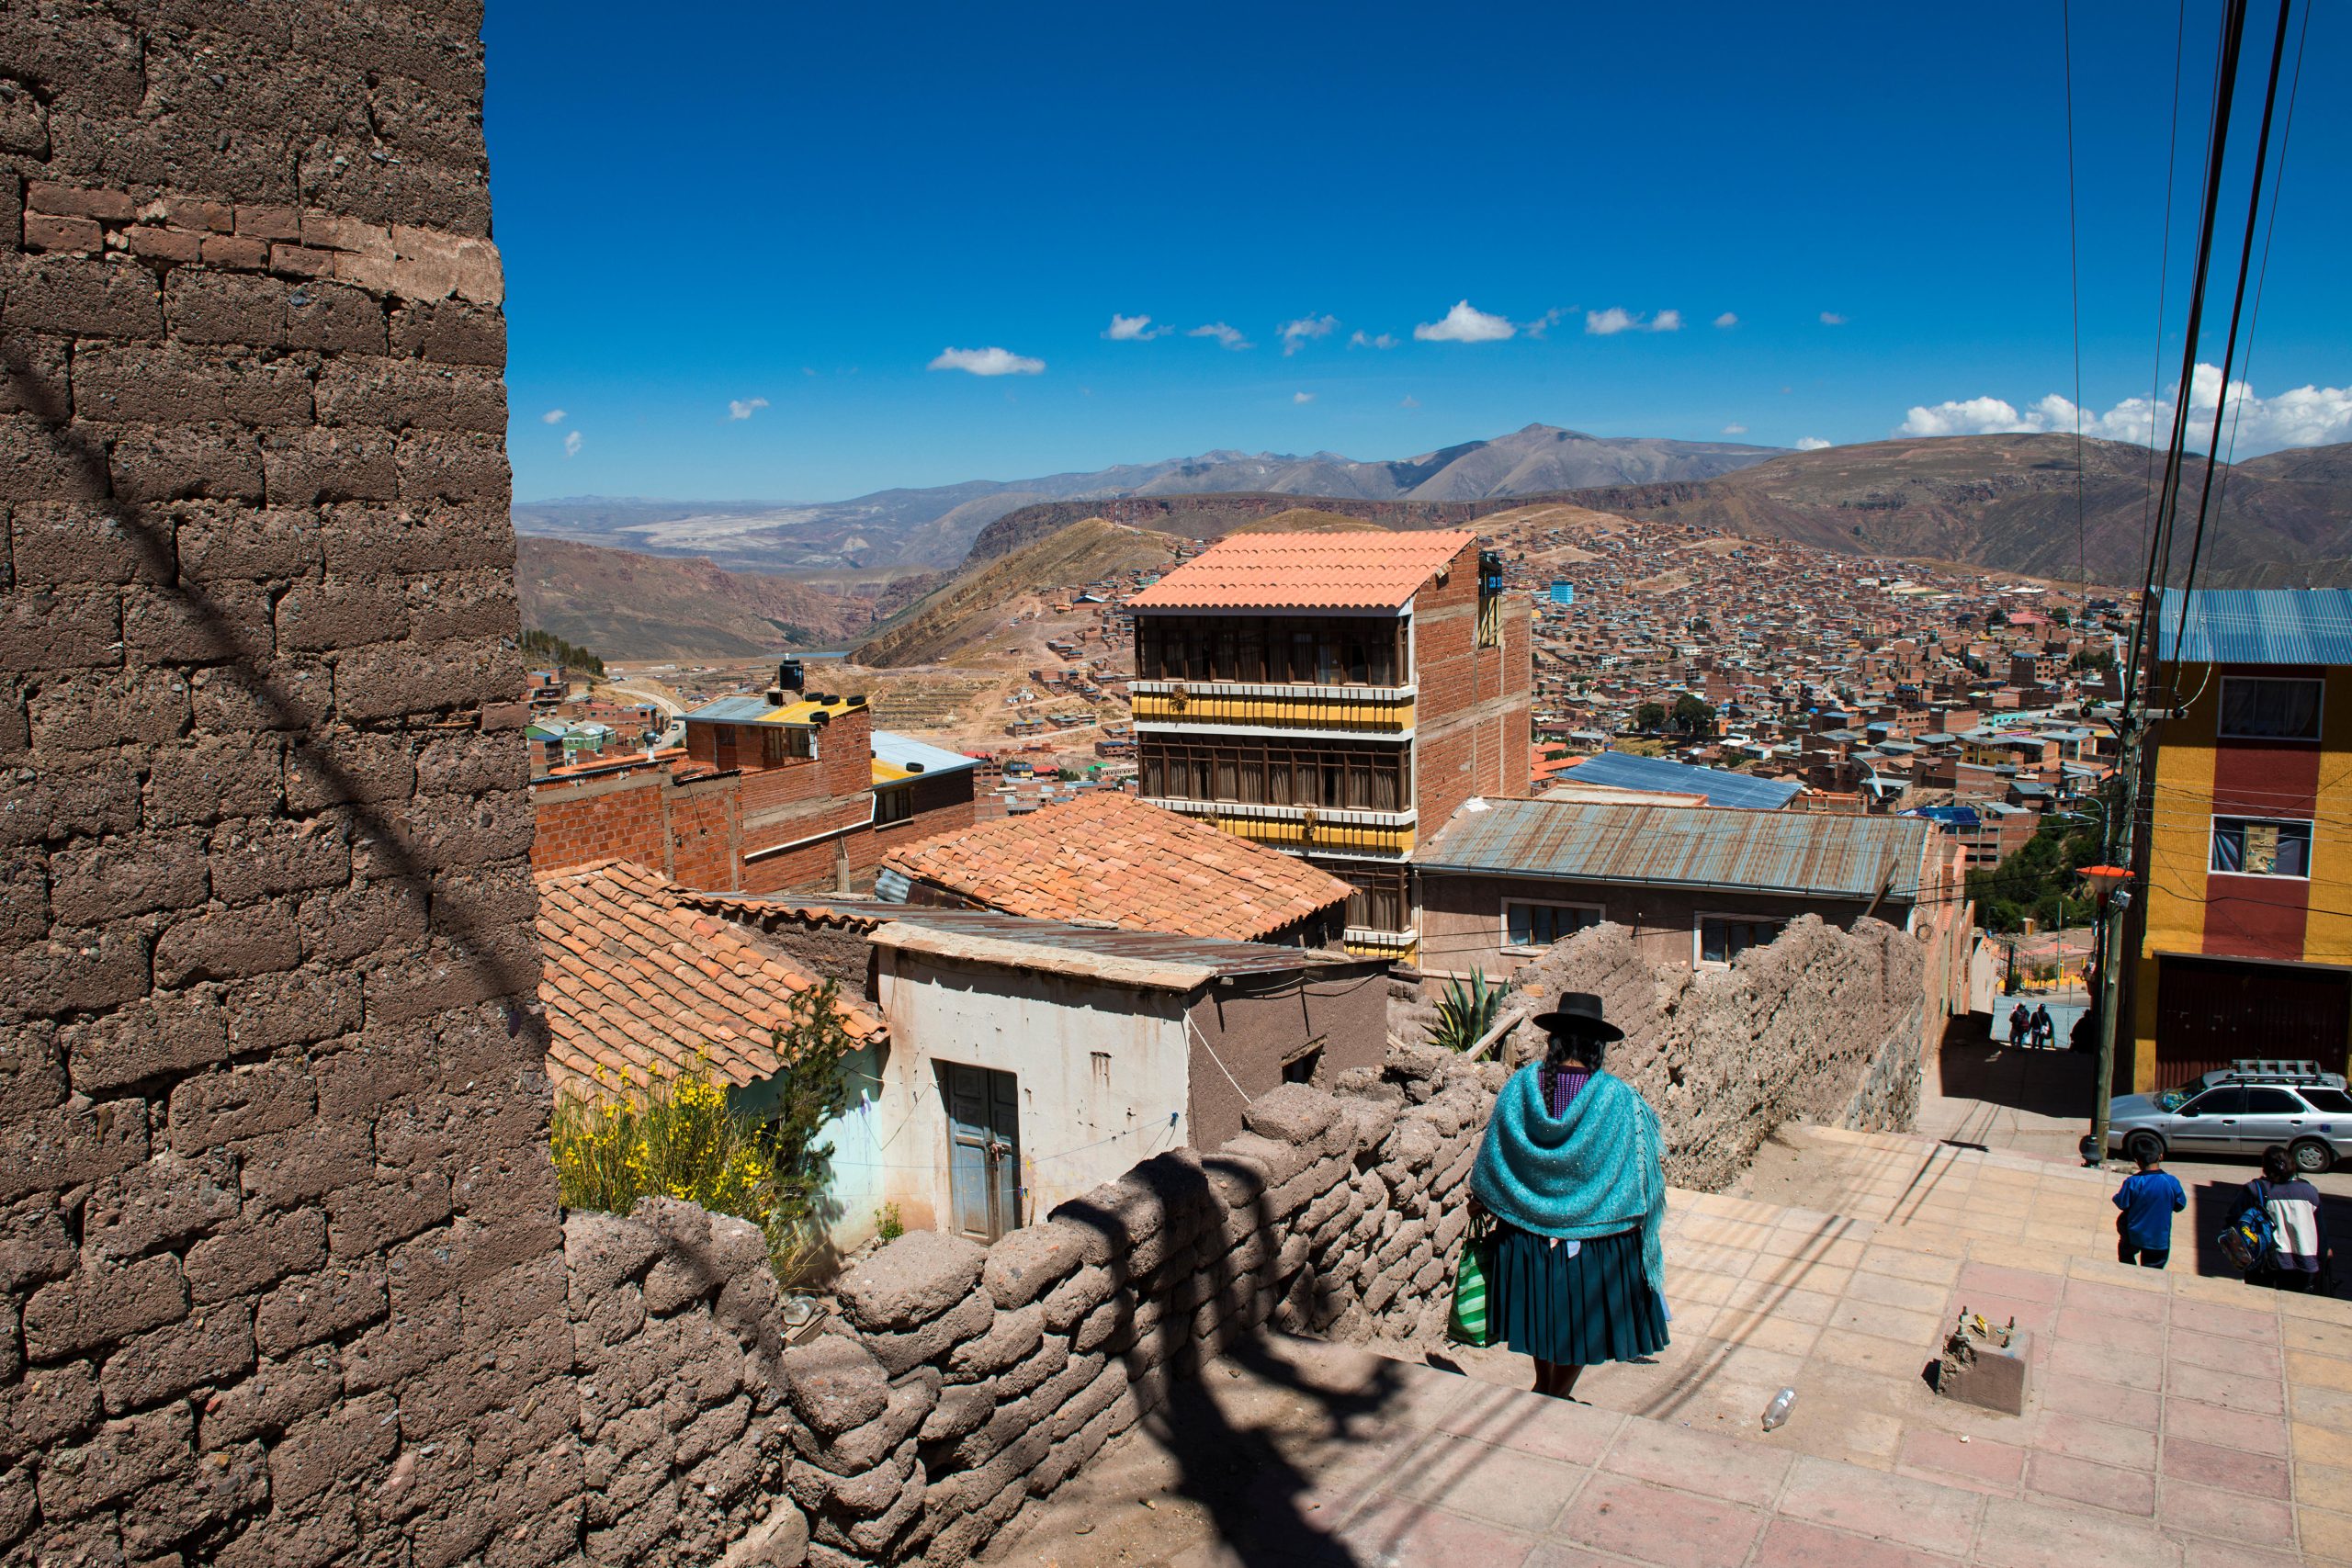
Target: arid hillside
x: 2008, y: 502
x: 980, y: 598
x: 626, y: 605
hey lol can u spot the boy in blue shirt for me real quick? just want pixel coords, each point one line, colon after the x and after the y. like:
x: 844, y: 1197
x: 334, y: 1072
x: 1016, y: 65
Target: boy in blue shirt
x: 2149, y: 1201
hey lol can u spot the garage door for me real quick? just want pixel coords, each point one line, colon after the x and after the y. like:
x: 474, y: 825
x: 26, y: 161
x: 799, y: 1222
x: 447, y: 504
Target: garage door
x: 2209, y: 1014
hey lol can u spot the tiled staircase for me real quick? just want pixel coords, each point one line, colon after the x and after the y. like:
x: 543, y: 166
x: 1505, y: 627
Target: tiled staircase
x: 2173, y: 1419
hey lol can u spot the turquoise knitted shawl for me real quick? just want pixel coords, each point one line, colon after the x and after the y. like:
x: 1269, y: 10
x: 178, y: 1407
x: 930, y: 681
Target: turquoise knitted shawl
x: 1593, y: 1172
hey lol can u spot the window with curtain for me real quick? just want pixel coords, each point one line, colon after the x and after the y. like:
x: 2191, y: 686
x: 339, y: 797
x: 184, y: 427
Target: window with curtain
x: 2270, y: 709
x: 2247, y: 846
x: 1541, y: 925
x: 1723, y: 938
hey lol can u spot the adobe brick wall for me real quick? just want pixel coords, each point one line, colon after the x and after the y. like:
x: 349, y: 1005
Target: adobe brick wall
x: 1819, y: 1025
x: 959, y: 1381
x: 281, y: 1276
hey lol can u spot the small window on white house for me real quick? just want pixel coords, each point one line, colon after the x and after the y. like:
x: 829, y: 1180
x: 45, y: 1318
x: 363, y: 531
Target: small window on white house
x: 2266, y: 708
x: 1541, y: 925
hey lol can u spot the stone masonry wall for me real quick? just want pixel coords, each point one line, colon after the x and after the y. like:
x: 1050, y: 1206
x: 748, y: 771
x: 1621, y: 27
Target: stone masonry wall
x: 1819, y: 1025
x: 280, y: 1266
x: 957, y: 1381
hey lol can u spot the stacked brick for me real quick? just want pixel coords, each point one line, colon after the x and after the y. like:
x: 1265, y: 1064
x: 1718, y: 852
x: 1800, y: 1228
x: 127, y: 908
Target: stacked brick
x: 960, y: 1381
x: 280, y: 1268
x: 1819, y: 1025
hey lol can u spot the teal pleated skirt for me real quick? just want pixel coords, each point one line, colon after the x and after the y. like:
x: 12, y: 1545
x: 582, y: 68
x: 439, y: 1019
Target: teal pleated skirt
x: 1596, y: 1306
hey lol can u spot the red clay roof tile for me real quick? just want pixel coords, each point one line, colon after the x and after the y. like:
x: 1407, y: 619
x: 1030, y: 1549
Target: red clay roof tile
x: 1110, y: 857
x: 631, y: 978
x: 1324, y: 571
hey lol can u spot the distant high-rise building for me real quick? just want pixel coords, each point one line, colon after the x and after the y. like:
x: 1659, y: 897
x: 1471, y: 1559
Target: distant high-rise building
x: 1337, y: 696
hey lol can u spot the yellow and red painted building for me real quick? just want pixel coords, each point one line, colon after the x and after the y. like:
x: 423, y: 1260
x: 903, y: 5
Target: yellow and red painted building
x: 2241, y: 935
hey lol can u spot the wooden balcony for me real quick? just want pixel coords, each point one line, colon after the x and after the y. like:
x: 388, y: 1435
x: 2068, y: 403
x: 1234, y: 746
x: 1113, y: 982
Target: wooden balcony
x: 1170, y: 706
x: 1386, y: 835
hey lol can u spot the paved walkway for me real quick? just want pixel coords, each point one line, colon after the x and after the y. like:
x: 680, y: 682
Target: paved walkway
x: 2175, y: 1420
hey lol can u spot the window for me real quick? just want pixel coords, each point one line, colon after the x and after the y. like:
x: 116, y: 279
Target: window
x: 1723, y: 938
x: 1541, y: 925
x: 2272, y: 1102
x: 1329, y: 651
x: 1376, y: 897
x: 1300, y: 1068
x: 1367, y: 777
x: 893, y: 805
x: 2333, y: 1101
x: 1490, y: 599
x: 778, y: 743
x: 2247, y: 846
x: 2269, y: 709
x: 2217, y: 1102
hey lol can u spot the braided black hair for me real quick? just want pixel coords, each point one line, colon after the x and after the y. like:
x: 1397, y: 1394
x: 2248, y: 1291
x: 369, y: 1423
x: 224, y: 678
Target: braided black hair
x: 1577, y: 1049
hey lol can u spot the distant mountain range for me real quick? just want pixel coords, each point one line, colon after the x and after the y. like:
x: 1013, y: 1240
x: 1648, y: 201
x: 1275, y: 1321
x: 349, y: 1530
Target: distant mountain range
x: 2011, y: 503
x: 934, y: 528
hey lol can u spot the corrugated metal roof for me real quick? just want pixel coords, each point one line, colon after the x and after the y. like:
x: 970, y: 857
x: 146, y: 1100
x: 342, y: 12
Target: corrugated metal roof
x: 2257, y: 625
x: 1691, y: 846
x: 1624, y: 770
x: 1110, y: 942
x: 897, y: 756
x: 1321, y: 572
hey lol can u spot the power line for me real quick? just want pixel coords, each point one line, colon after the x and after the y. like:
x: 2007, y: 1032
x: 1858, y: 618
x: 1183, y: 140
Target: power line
x: 2164, y: 273
x: 2237, y: 307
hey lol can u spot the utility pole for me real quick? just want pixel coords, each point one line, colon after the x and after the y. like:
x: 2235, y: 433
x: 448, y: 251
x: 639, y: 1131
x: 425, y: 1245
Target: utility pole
x: 2117, y: 849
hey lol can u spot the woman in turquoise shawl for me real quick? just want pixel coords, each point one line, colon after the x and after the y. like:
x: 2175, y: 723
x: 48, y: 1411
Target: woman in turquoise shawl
x: 1572, y: 1172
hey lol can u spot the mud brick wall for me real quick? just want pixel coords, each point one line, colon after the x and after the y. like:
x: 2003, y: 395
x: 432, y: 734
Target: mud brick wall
x: 281, y: 1276
x: 1819, y: 1025
x: 957, y: 1383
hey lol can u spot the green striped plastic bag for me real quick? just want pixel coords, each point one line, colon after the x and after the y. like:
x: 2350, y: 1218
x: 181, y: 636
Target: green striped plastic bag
x: 1468, y: 1325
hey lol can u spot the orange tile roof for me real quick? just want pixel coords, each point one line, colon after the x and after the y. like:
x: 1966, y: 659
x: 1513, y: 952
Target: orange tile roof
x: 632, y: 978
x: 1110, y: 857
x: 1322, y: 571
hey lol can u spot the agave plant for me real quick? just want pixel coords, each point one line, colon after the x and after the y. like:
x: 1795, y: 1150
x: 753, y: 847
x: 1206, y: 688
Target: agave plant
x: 1465, y: 1012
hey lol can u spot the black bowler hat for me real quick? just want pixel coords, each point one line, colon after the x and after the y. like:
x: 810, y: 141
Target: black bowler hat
x: 1579, y: 1014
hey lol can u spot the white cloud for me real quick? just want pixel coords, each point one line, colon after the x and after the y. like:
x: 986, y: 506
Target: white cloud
x: 1305, y: 330
x: 1616, y: 318
x: 1230, y: 337
x: 988, y: 362
x: 571, y: 444
x: 553, y: 416
x: 1408, y: 401
x: 1134, y: 329
x: 1543, y: 323
x: 1832, y: 319
x: 1726, y: 319
x: 1735, y: 429
x: 2304, y: 416
x: 1302, y: 397
x: 1464, y: 324
x: 1365, y: 340
x: 1812, y: 443
x: 744, y: 408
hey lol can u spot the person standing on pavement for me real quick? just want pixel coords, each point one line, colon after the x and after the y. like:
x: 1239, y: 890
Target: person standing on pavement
x: 2020, y: 1022
x: 2293, y: 1207
x: 2045, y: 1029
x: 2148, y: 1200
x: 1572, y: 1170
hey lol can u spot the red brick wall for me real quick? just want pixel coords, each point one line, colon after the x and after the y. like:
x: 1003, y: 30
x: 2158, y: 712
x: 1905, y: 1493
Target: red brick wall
x: 1473, y: 720
x: 594, y: 820
x: 704, y: 819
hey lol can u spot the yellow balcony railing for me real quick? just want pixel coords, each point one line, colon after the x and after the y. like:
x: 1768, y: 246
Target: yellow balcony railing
x: 1332, y: 710
x: 1332, y: 831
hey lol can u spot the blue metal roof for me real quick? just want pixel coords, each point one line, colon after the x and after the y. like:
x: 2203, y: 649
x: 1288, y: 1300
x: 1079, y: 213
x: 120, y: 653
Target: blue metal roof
x: 2257, y: 625
x: 1821, y: 853
x: 1624, y: 770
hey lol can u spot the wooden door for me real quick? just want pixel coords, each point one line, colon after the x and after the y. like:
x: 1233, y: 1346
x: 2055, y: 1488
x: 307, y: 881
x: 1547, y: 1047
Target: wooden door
x: 983, y: 1150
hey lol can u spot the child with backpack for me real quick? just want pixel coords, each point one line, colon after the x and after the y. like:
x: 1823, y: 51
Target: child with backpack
x: 2289, y: 1208
x: 2149, y: 1201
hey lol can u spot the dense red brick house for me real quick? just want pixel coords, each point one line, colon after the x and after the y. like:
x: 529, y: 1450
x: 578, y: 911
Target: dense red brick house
x: 1335, y: 697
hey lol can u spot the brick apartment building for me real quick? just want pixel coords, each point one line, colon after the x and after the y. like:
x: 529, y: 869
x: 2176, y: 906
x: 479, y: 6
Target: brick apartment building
x: 1334, y: 695
x: 770, y: 793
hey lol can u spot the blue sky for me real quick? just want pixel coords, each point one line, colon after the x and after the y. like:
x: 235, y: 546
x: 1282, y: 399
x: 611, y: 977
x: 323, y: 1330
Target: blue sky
x: 791, y: 213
